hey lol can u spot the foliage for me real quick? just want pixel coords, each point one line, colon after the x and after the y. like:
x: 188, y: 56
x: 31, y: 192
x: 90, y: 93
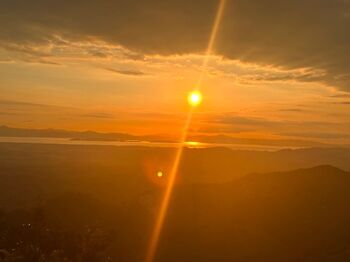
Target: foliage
x: 36, y: 241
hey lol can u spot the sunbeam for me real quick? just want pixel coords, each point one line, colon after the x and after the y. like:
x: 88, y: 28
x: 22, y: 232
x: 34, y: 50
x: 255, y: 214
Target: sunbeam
x: 172, y: 176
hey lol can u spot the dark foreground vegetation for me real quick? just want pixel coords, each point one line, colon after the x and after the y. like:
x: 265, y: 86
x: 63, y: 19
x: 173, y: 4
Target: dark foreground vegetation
x: 26, y: 236
x: 55, y: 208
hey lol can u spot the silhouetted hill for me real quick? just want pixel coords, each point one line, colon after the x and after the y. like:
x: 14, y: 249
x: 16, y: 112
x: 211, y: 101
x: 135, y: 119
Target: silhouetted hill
x: 300, y: 215
x: 118, y: 174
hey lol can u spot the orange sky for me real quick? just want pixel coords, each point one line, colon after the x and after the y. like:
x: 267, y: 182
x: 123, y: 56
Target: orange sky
x: 114, y: 80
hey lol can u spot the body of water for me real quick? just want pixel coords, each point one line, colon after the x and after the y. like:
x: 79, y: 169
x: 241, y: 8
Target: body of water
x: 68, y: 141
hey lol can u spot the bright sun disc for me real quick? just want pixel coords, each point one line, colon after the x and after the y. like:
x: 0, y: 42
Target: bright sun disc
x: 194, y: 98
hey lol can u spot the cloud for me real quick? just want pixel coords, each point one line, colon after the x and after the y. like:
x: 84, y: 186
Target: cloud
x: 21, y: 108
x: 327, y: 135
x: 231, y: 123
x: 100, y: 115
x: 344, y: 103
x: 266, y: 123
x: 125, y: 72
x: 288, y: 34
x: 7, y: 114
x: 16, y: 104
x: 292, y: 110
x: 342, y: 95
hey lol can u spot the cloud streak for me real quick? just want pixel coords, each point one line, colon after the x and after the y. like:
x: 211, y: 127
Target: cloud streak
x: 126, y: 72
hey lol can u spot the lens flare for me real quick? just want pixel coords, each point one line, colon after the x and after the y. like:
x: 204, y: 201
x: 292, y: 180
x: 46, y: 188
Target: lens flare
x: 194, y: 98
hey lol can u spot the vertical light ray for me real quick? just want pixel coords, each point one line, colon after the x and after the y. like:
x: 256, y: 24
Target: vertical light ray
x: 212, y: 39
x: 172, y: 175
x: 167, y: 194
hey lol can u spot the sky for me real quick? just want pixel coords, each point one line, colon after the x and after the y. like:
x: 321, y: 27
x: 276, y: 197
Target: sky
x: 279, y: 69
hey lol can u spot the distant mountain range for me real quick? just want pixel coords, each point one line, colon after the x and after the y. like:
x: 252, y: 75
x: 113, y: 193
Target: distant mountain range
x: 298, y: 215
x: 76, y: 135
x: 6, y: 131
x: 124, y: 172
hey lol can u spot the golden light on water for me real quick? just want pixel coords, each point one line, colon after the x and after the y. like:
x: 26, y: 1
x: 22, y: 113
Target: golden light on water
x: 194, y: 98
x: 192, y: 143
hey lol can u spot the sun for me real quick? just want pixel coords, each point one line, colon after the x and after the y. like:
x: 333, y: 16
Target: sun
x: 160, y: 174
x: 194, y: 98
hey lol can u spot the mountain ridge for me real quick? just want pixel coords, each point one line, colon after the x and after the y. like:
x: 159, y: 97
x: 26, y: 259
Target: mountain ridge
x: 89, y: 135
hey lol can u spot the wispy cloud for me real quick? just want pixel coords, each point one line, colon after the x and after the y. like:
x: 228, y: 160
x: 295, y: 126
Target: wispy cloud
x: 100, y: 115
x: 344, y: 103
x: 292, y: 110
x: 295, y: 34
x: 342, y: 95
x: 130, y: 72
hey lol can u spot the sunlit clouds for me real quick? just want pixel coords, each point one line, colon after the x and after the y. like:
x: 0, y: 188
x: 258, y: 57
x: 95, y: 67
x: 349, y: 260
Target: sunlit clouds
x: 137, y: 95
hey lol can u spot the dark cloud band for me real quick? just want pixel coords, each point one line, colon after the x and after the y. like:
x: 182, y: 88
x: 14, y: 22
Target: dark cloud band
x: 289, y: 34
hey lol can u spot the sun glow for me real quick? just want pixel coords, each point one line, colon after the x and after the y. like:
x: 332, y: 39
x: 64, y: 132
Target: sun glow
x: 194, y: 98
